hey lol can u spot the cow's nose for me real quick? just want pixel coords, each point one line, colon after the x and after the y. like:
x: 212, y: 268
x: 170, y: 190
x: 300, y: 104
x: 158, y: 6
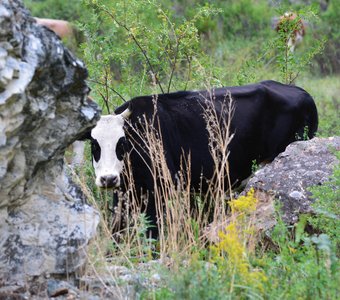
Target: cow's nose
x: 109, y: 181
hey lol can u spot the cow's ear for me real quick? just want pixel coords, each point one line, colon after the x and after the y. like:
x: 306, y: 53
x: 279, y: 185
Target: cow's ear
x: 85, y: 136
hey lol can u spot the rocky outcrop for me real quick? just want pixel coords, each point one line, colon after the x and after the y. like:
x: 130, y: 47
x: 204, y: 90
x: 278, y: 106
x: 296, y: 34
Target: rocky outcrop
x: 288, y: 178
x: 45, y: 224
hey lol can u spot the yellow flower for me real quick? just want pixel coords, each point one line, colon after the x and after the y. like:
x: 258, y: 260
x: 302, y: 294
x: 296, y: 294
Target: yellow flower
x: 244, y: 204
x: 231, y: 248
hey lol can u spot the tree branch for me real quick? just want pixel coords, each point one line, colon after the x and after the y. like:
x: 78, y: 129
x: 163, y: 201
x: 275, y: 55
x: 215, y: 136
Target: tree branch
x: 112, y: 89
x: 137, y: 44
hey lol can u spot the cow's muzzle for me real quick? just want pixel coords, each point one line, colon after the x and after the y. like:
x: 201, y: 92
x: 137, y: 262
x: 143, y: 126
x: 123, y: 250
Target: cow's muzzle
x: 109, y: 181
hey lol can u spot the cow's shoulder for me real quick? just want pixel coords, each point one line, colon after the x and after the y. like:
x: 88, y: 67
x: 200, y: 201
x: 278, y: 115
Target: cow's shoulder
x: 282, y: 88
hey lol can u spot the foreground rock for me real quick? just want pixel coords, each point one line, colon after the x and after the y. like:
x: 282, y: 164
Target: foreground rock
x: 45, y: 224
x: 288, y: 178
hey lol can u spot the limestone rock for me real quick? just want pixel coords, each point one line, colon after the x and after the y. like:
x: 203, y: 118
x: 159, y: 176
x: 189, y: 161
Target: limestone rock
x: 286, y: 182
x: 287, y: 179
x: 45, y: 224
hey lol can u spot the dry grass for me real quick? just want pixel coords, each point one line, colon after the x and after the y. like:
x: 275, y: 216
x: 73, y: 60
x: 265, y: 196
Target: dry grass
x: 181, y: 222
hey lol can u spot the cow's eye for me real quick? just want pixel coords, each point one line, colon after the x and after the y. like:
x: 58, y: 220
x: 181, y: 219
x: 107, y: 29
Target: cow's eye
x: 121, y: 148
x: 95, y: 148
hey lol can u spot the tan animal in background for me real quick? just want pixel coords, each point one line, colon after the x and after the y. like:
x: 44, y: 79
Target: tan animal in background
x: 293, y: 27
x: 62, y: 28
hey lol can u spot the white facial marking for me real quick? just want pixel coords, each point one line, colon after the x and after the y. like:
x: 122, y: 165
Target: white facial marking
x: 107, y: 133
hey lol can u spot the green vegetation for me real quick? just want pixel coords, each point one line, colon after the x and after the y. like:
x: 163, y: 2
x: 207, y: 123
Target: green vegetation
x: 135, y: 47
x: 328, y: 207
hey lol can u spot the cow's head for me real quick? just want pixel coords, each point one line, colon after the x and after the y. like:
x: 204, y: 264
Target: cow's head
x: 108, y: 146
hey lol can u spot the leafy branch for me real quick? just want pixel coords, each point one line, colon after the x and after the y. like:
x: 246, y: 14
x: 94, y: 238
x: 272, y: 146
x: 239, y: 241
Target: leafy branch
x: 137, y: 43
x: 107, y: 87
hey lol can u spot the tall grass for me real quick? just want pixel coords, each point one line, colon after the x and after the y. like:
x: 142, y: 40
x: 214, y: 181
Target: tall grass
x: 181, y: 214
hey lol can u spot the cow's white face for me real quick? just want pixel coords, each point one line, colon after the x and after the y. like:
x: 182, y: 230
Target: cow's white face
x: 108, y: 148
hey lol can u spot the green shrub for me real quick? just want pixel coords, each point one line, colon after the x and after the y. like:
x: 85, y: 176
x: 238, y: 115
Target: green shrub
x: 141, y: 48
x: 291, y: 64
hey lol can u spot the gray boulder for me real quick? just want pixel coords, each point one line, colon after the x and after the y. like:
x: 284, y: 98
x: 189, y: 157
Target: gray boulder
x: 45, y: 224
x: 288, y: 178
x: 285, y: 182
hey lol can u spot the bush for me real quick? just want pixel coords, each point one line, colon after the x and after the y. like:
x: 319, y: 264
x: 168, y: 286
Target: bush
x: 141, y: 48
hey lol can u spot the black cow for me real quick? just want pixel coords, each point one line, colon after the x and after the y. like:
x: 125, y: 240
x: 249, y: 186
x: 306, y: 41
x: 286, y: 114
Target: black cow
x: 266, y: 118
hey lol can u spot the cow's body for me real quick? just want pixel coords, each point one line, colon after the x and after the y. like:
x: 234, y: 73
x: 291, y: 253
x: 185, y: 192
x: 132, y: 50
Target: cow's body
x: 266, y: 118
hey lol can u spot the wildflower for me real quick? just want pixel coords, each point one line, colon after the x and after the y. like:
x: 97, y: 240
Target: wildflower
x: 231, y: 251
